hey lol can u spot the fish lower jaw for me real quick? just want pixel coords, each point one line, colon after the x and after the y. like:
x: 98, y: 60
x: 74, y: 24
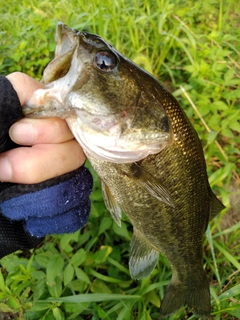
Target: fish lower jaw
x: 107, y: 148
x: 45, y: 103
x: 115, y: 155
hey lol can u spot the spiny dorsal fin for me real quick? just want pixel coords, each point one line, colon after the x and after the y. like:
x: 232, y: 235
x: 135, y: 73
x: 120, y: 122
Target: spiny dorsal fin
x: 111, y: 204
x: 143, y: 258
x: 216, y: 206
x: 151, y: 184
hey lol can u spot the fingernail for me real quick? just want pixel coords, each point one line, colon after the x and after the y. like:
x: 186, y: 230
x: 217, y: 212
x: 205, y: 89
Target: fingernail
x: 5, y: 169
x: 22, y: 133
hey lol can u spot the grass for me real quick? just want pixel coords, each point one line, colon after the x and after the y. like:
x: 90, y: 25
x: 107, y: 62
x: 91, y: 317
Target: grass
x: 193, y: 48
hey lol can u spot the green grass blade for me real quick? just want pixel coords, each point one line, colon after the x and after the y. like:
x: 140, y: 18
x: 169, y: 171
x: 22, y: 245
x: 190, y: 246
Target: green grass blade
x: 93, y: 297
x: 106, y: 278
x: 232, y: 229
x: 210, y: 241
x: 228, y: 255
x: 118, y: 265
x: 232, y: 292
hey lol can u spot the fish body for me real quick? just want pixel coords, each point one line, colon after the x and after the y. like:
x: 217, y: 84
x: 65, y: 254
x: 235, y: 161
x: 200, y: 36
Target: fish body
x: 146, y: 153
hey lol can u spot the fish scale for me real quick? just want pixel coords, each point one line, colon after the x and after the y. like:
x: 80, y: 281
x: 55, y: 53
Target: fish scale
x: 146, y: 153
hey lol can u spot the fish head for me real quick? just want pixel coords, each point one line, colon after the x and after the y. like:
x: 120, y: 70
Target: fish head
x: 110, y: 104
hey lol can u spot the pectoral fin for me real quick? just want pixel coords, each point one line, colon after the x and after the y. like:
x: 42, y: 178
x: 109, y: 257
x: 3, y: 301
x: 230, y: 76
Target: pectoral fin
x: 151, y: 184
x: 216, y: 206
x: 111, y: 204
x: 143, y: 258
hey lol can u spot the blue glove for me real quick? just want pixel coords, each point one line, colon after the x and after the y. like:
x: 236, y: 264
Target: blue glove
x: 29, y: 212
x: 59, y: 205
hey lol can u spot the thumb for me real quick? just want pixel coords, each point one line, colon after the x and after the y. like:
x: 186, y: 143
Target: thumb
x: 23, y: 85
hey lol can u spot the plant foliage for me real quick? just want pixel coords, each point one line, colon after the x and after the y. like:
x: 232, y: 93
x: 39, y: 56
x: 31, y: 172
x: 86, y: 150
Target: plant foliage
x: 192, y: 47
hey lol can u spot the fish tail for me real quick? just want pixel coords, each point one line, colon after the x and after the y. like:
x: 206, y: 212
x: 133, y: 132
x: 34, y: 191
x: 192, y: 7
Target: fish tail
x: 193, y: 293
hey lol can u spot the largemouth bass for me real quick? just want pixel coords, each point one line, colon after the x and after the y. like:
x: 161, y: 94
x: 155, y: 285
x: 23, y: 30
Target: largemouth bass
x: 148, y: 157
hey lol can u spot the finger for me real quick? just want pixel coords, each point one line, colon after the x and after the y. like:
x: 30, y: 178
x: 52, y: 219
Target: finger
x: 40, y: 162
x: 28, y: 132
x: 23, y: 85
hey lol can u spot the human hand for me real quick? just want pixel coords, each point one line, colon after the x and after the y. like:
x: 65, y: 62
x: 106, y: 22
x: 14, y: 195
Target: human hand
x: 43, y: 200
x: 53, y: 151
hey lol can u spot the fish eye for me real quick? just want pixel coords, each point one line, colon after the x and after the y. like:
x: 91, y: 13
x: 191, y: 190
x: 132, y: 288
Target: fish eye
x: 105, y: 61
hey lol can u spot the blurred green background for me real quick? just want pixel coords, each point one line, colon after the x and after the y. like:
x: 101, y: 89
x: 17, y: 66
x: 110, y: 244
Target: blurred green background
x: 192, y: 47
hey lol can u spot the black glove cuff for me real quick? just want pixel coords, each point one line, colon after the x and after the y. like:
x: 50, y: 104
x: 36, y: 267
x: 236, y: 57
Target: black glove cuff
x: 10, y: 112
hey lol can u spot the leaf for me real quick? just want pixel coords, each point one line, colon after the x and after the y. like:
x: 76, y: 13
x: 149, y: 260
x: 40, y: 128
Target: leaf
x: 79, y: 285
x: 122, y: 231
x: 66, y: 239
x: 41, y: 305
x: 126, y: 312
x: 56, y: 289
x: 78, y: 258
x: 154, y: 298
x: 219, y: 105
x: 235, y: 125
x: 43, y: 259
x: 146, y: 315
x: 219, y: 175
x: 5, y: 308
x: 39, y: 275
x: 144, y: 62
x: 13, y: 303
x: 68, y: 274
x: 101, y: 313
x: 229, y: 75
x: 2, y: 283
x: 98, y: 286
x: 54, y: 268
x: 212, y: 136
x: 39, y: 289
x: 224, y: 53
x: 179, y: 92
x: 190, y: 68
x: 105, y: 224
x: 74, y: 309
x: 58, y: 315
x: 82, y: 275
x: 235, y: 311
x: 102, y: 254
